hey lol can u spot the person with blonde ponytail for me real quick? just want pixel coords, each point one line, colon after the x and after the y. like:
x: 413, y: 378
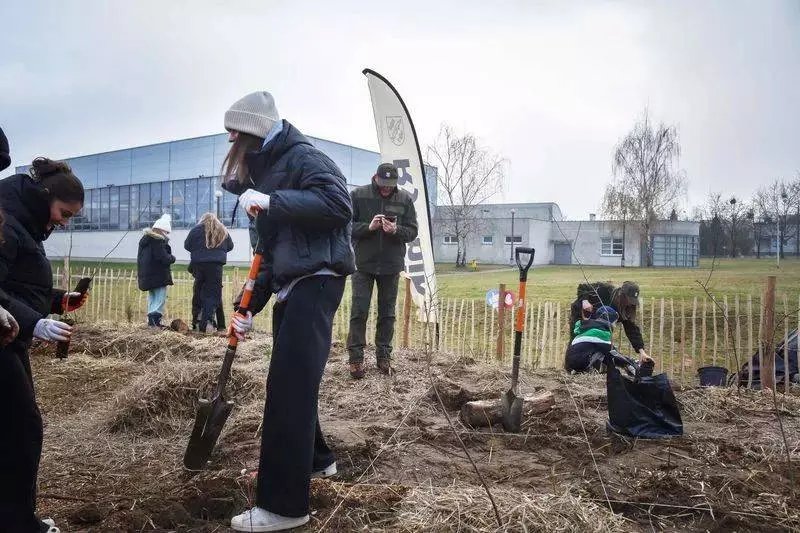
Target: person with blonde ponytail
x: 208, y: 243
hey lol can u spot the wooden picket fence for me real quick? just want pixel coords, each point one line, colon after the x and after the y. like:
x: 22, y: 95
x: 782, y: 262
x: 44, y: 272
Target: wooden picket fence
x: 681, y: 335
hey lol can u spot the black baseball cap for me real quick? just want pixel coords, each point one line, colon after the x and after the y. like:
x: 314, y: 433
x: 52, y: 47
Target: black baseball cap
x: 386, y: 175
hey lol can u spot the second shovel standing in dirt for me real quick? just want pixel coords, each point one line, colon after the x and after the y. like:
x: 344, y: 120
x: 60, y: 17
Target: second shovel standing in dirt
x: 512, y: 402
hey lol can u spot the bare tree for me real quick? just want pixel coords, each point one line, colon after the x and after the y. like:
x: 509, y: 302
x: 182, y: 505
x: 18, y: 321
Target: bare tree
x: 469, y: 174
x: 774, y: 203
x: 735, y: 215
x: 645, y: 165
x: 618, y: 205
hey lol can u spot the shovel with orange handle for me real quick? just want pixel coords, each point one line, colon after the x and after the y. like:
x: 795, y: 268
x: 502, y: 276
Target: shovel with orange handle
x: 512, y: 402
x: 212, y: 414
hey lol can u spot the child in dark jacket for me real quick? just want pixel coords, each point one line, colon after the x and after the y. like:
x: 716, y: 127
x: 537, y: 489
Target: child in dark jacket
x: 208, y: 243
x: 592, y: 340
x: 153, y: 262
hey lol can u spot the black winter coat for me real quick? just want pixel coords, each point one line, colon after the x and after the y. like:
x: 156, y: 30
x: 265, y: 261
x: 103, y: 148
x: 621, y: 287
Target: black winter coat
x: 26, y: 279
x: 378, y: 252
x: 153, y: 261
x: 195, y: 244
x: 308, y: 224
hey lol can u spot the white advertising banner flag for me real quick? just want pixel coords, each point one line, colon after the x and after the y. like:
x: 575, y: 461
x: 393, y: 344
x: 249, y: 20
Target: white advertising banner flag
x: 398, y: 144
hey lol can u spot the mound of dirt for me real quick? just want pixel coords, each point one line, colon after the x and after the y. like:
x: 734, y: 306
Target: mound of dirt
x: 148, y: 345
x: 166, y: 395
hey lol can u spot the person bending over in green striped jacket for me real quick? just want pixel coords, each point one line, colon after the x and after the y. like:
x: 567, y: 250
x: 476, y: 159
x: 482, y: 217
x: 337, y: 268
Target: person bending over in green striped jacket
x: 592, y: 341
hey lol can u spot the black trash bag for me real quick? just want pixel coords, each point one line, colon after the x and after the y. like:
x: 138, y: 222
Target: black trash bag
x: 783, y: 351
x: 643, y: 406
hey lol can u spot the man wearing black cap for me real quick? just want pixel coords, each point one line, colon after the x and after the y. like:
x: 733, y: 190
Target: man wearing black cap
x: 384, y: 220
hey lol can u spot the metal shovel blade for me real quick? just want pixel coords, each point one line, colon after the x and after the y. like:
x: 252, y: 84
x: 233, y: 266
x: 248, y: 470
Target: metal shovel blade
x: 211, y: 418
x: 512, y: 411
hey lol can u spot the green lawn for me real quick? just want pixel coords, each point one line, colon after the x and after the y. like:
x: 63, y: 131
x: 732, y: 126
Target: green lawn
x: 551, y: 282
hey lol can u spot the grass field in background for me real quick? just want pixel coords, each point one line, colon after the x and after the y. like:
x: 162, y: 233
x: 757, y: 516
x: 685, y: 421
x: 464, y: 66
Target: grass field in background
x: 558, y: 282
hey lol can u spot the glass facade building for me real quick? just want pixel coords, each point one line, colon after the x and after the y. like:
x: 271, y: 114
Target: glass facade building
x: 131, y: 188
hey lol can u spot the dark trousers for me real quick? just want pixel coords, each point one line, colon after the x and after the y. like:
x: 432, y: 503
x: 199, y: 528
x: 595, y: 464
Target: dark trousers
x: 20, y: 442
x: 292, y: 445
x: 362, y: 283
x: 207, y: 295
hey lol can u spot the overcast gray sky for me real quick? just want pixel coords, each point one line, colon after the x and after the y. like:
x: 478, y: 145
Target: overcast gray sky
x: 551, y: 86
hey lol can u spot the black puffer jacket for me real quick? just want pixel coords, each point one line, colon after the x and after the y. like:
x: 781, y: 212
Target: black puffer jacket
x: 195, y: 244
x: 153, y: 261
x: 378, y: 252
x: 26, y: 279
x: 308, y: 224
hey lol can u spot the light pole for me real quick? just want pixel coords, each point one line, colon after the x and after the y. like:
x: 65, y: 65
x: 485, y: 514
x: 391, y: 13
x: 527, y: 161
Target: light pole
x: 218, y: 196
x: 511, y: 259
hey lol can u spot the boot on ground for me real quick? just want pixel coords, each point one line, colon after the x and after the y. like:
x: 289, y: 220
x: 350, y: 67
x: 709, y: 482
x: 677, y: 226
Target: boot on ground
x: 356, y: 370
x: 384, y: 366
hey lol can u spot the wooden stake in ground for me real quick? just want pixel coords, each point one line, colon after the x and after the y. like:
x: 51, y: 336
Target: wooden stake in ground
x: 694, y: 333
x: 682, y: 351
x: 767, y: 335
x: 500, y: 322
x: 714, y: 317
x: 786, y: 379
x: 703, y: 333
x: 652, y: 325
x: 661, y: 338
x: 749, y: 341
x: 406, y: 311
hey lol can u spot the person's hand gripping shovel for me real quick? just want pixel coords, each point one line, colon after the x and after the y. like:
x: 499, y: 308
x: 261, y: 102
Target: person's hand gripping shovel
x: 512, y: 402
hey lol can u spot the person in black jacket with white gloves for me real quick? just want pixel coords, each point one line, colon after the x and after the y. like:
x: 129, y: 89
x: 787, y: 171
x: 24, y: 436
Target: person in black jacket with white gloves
x: 208, y: 244
x: 9, y: 328
x: 304, y: 225
x: 33, y: 206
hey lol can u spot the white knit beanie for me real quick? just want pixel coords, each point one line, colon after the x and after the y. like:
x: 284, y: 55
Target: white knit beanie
x: 254, y: 114
x: 163, y: 223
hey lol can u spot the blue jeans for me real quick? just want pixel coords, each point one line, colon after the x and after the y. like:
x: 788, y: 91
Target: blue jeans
x: 156, y: 298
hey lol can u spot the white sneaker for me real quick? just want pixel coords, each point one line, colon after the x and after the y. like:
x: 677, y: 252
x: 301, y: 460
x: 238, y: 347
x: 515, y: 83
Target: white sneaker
x: 52, y: 524
x: 258, y: 520
x: 325, y: 472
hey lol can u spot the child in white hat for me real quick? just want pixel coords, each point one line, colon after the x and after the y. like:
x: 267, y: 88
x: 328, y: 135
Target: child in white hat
x: 153, y: 261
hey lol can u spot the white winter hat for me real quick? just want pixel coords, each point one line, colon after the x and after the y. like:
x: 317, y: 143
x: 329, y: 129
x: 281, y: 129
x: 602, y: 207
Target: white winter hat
x: 254, y: 114
x: 164, y: 223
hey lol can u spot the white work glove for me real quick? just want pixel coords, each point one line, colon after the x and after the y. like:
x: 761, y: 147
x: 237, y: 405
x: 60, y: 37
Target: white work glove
x: 242, y: 324
x: 9, y: 328
x: 253, y: 201
x: 52, y: 330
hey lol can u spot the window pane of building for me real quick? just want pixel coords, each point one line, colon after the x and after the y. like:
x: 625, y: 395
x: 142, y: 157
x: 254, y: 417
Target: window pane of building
x: 124, y: 207
x: 113, y: 208
x: 205, y: 197
x: 156, y: 203
x: 134, y: 206
x: 150, y: 163
x: 104, y: 219
x: 177, y: 203
x: 190, y: 213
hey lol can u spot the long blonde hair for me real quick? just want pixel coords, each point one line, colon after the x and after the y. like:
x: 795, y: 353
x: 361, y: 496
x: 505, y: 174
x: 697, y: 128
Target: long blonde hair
x: 214, y: 229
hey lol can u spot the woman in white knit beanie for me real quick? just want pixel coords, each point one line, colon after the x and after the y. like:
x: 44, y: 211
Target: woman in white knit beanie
x: 302, y: 215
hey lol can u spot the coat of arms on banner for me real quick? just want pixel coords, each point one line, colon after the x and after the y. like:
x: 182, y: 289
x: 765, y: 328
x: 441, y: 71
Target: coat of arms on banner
x: 397, y: 132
